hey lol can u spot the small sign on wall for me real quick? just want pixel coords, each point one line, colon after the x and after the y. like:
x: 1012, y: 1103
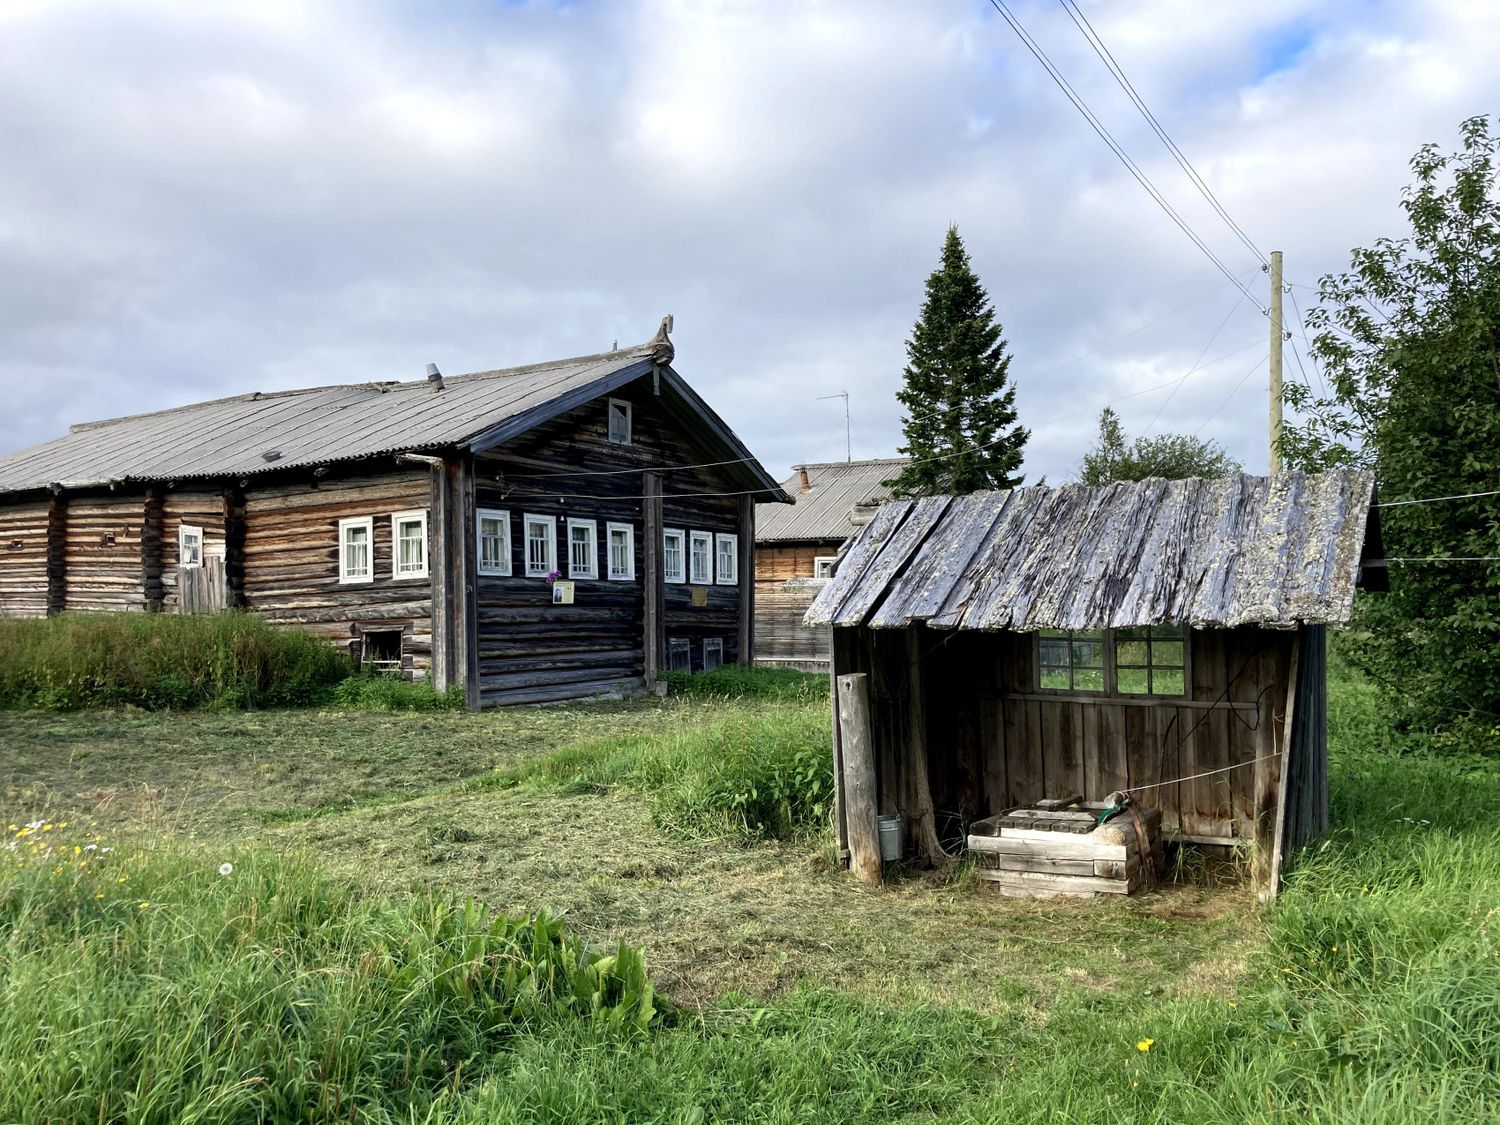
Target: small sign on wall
x: 562, y: 592
x: 700, y: 595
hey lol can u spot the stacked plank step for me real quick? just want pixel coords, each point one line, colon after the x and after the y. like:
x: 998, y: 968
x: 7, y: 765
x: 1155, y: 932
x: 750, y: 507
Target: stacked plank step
x: 1056, y: 848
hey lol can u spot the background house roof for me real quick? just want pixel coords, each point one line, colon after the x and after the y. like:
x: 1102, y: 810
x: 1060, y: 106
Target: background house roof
x: 1240, y: 550
x: 826, y: 510
x: 256, y: 433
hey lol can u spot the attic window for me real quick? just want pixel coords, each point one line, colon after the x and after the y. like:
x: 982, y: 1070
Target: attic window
x: 823, y: 566
x: 189, y: 545
x: 619, y: 422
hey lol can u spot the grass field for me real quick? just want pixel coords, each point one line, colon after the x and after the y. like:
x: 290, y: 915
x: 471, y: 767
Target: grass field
x: 1370, y: 992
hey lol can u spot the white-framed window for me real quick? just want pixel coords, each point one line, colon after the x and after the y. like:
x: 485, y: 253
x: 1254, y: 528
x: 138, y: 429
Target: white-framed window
x: 189, y: 545
x: 409, y: 544
x: 622, y: 552
x: 619, y: 421
x: 727, y: 547
x: 492, y: 534
x: 674, y: 555
x: 713, y: 653
x: 357, y: 549
x: 583, y: 548
x: 541, y: 545
x: 701, y: 558
x: 823, y: 565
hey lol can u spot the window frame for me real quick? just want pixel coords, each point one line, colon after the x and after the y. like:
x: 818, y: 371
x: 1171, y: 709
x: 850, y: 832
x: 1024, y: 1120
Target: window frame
x: 397, y: 519
x: 679, y: 646
x: 186, y: 531
x: 592, y: 570
x: 1111, y: 689
x: 629, y: 529
x: 680, y: 576
x: 609, y: 421
x: 819, y: 561
x: 1150, y: 667
x: 733, y: 539
x: 506, y: 564
x: 694, y: 538
x: 527, y: 519
x: 718, y: 643
x: 345, y: 525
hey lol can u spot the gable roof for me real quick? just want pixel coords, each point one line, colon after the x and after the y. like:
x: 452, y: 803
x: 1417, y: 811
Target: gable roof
x: 1240, y: 550
x: 826, y: 511
x: 236, y: 437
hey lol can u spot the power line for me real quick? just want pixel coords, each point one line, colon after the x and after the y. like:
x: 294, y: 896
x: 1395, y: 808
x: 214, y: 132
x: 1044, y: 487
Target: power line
x: 1436, y: 499
x: 1114, y: 146
x: 1435, y: 559
x: 1230, y: 395
x: 1167, y: 401
x: 1302, y: 327
x: 1097, y: 43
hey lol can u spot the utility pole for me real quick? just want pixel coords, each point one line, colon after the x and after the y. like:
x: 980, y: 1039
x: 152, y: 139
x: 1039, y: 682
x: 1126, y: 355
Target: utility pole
x: 1276, y: 338
x: 848, y: 447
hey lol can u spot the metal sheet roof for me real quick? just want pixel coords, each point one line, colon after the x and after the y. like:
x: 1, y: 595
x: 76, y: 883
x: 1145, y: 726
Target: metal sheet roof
x: 1239, y: 550
x: 826, y: 511
x: 232, y: 437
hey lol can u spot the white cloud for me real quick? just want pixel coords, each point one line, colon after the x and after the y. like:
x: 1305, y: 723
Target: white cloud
x: 207, y: 199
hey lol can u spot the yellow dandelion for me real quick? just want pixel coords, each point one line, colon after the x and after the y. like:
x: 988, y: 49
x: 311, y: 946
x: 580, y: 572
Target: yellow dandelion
x: 144, y: 905
x: 64, y: 824
x: 1144, y: 1044
x: 10, y: 828
x: 1335, y: 949
x: 121, y: 879
x: 1133, y: 1085
x: 1232, y: 1004
x: 46, y: 828
x: 77, y: 850
x: 99, y: 895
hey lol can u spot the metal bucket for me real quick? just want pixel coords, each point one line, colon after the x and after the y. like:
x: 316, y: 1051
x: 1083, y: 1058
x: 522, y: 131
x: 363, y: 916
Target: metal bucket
x: 892, y: 831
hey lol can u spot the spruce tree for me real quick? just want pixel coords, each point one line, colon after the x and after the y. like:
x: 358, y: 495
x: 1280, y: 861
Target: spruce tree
x: 960, y: 425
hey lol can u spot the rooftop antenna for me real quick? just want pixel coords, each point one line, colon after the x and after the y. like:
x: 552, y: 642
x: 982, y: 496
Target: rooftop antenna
x: 848, y: 448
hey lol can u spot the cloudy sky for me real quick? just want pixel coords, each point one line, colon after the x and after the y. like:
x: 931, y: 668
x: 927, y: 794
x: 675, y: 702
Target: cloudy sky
x: 200, y: 199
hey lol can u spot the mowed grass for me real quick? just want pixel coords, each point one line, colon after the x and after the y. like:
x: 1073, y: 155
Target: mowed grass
x: 1368, y: 992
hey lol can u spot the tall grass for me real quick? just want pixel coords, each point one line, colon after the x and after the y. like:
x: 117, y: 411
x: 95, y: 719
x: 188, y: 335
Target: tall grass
x: 160, y: 661
x: 746, y: 774
x: 779, y: 685
x: 155, y: 989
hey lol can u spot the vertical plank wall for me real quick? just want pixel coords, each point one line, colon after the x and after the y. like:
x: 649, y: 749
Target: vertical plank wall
x: 784, y: 588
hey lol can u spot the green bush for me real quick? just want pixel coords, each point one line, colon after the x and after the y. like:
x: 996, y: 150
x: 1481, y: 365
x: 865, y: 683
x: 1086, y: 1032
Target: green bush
x: 746, y: 774
x: 155, y: 989
x: 365, y: 692
x: 735, y: 682
x: 162, y: 661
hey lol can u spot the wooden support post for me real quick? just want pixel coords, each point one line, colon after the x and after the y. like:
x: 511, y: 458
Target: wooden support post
x: 746, y: 565
x: 153, y: 519
x: 441, y: 577
x: 1267, y: 773
x: 919, y: 811
x: 467, y: 579
x: 1278, y: 826
x: 234, y: 548
x: 653, y: 638
x: 57, y: 554
x: 859, y: 775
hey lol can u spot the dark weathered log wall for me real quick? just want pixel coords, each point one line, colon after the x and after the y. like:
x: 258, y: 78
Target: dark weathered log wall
x: 291, y: 568
x: 530, y: 650
x: 995, y: 741
x: 103, y: 558
x: 23, y: 559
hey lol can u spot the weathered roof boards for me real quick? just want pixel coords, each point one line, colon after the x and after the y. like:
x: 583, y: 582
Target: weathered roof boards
x: 1242, y: 550
x: 830, y: 501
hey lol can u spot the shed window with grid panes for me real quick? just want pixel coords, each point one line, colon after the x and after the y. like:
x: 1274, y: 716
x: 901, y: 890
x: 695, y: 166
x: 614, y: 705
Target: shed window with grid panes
x: 1151, y: 660
x: 1071, y: 661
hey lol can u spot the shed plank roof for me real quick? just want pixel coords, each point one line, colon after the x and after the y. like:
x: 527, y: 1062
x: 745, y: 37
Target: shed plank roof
x: 1232, y: 551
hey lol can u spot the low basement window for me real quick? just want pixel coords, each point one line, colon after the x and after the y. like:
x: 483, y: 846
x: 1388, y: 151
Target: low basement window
x: 381, y: 652
x: 713, y: 653
x: 679, y: 655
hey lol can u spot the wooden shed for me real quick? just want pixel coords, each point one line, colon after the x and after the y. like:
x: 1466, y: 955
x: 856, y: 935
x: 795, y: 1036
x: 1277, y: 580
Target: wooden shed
x: 796, y: 547
x: 536, y: 533
x: 1162, y: 638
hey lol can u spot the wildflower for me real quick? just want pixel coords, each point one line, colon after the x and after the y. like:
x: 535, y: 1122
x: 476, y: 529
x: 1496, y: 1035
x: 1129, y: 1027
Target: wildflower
x: 100, y: 894
x: 121, y: 879
x: 1144, y: 1044
x: 91, y: 847
x: 144, y: 905
x: 226, y: 868
x: 1335, y: 949
x: 64, y: 824
x: 1133, y: 1085
x: 1232, y: 1004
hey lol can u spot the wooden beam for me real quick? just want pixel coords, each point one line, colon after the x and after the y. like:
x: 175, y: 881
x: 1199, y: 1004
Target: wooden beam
x: 919, y: 783
x: 1267, y: 770
x: 1278, y: 827
x: 234, y: 547
x: 57, y: 554
x: 859, y: 775
x: 440, y: 575
x: 746, y: 565
x: 653, y: 639
x: 153, y: 519
x: 468, y: 583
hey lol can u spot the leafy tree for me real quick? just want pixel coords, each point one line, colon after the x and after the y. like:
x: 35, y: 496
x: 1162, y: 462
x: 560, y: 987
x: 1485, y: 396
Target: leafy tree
x: 1173, y: 456
x: 1409, y: 341
x: 960, y: 427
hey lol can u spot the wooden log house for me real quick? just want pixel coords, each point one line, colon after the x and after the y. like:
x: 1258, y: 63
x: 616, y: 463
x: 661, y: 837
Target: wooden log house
x: 545, y: 532
x: 1164, y: 638
x: 797, y: 546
